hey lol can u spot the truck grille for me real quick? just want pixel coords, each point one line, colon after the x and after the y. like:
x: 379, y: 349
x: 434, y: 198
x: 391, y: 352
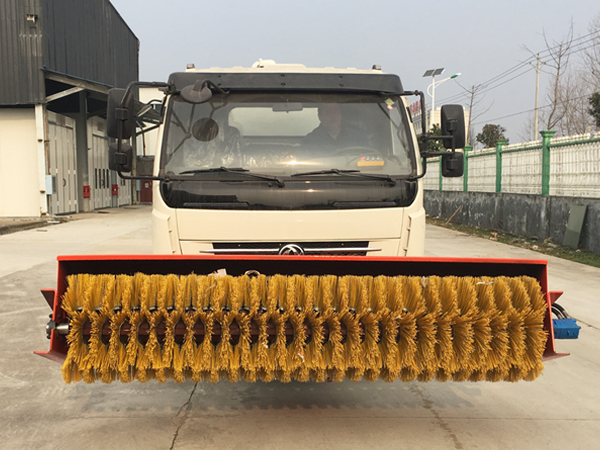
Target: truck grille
x: 350, y: 248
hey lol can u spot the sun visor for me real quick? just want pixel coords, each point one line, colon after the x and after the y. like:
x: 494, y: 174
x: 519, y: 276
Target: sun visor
x: 356, y: 82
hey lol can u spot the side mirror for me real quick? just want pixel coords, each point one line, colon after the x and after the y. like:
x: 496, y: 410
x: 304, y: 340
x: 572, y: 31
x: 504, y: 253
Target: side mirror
x: 120, y: 161
x: 453, y: 164
x: 115, y: 114
x: 453, y: 123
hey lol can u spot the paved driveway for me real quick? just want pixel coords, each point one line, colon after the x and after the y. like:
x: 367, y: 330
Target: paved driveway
x: 37, y: 410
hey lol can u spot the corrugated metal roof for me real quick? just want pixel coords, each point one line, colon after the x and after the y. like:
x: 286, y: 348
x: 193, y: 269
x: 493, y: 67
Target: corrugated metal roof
x: 20, y: 52
x: 85, y: 39
x: 89, y: 40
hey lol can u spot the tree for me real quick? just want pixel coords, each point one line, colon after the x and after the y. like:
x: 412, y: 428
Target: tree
x: 473, y: 92
x: 559, y: 53
x: 527, y: 131
x: 434, y: 146
x: 595, y: 107
x: 490, y: 134
x: 570, y: 88
x: 573, y: 105
x: 592, y: 55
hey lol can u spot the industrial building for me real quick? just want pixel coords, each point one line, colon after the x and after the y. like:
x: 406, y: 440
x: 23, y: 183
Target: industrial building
x: 58, y: 59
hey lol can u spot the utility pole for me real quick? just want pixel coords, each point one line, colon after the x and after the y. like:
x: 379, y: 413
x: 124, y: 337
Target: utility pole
x: 537, y: 92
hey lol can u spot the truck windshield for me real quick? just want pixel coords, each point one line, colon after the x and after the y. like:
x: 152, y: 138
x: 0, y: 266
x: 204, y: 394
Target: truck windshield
x: 289, y: 135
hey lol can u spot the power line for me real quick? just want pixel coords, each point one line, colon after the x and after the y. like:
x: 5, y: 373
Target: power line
x: 585, y: 39
x: 508, y: 115
x: 523, y: 112
x: 486, y: 88
x: 589, y: 37
x: 574, y: 47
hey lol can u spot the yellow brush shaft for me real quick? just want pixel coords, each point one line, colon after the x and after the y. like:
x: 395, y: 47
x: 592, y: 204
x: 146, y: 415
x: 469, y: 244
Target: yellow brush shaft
x: 208, y: 327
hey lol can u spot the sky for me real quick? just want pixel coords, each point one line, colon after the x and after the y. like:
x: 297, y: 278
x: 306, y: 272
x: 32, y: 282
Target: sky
x: 479, y: 39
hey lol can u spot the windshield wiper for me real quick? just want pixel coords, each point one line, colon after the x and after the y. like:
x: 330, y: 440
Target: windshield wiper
x: 349, y: 172
x: 326, y: 171
x: 236, y: 170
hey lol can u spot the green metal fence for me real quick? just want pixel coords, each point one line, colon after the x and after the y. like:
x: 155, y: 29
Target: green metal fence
x: 567, y: 166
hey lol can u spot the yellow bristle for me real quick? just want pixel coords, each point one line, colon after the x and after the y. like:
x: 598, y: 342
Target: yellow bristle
x: 265, y: 350
x: 536, y: 337
x: 149, y: 356
x: 389, y: 321
x: 219, y: 302
x: 527, y: 296
x: 241, y: 307
x: 332, y: 348
x: 171, y: 349
x: 73, y: 366
x: 427, y: 329
x: 97, y: 356
x: 295, y: 350
x: 189, y: 347
x: 314, y: 363
x: 72, y: 303
x: 500, y: 344
x: 522, y: 304
x: 280, y: 317
x: 498, y: 338
x: 296, y: 314
x: 405, y: 328
x: 258, y: 350
x: 412, y: 307
x: 180, y: 350
x: 229, y: 365
x: 462, y: 342
x: 117, y: 354
x: 514, y: 326
x: 389, y: 349
x: 205, y: 351
x: 478, y: 375
x: 272, y: 318
x: 352, y: 302
x: 133, y: 348
x: 482, y: 331
x: 118, y: 350
x: 449, y: 312
x: 75, y: 293
x: 370, y: 319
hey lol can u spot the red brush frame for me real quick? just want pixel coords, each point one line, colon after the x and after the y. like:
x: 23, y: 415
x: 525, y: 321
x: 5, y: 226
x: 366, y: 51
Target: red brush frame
x: 288, y: 265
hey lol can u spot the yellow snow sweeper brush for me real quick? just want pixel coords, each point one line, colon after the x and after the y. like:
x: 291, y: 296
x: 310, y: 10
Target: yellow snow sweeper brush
x: 299, y: 318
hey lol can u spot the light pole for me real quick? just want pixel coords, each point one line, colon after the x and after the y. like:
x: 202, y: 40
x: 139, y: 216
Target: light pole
x: 432, y: 73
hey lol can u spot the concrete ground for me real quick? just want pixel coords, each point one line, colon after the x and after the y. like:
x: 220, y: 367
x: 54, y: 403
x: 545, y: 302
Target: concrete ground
x: 37, y: 410
x: 13, y: 224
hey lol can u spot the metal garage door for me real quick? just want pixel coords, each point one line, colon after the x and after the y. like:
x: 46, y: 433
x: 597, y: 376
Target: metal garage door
x: 103, y: 180
x: 62, y: 162
x: 125, y: 188
x: 100, y: 183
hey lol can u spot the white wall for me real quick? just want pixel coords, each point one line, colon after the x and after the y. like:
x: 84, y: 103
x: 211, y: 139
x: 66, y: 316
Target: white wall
x: 19, y: 183
x: 146, y: 144
x: 575, y: 170
x: 436, y: 118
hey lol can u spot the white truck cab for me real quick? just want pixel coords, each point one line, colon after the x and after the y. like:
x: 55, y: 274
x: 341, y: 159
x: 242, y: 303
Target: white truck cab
x: 283, y: 159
